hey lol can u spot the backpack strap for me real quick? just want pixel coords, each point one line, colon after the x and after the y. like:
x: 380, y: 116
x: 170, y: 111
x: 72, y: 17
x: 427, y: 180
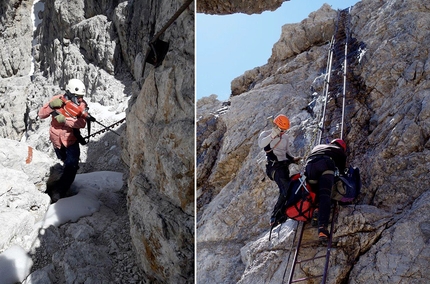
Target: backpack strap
x: 271, y: 149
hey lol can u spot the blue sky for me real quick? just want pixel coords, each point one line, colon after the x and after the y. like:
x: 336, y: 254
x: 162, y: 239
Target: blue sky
x: 227, y: 46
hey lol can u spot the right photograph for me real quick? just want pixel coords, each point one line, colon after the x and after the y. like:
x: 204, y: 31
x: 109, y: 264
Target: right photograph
x: 312, y: 141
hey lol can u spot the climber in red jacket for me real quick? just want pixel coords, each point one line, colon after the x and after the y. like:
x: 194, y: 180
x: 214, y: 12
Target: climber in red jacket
x: 62, y: 132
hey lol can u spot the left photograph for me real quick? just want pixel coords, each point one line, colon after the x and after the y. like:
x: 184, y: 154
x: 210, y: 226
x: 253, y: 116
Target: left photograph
x: 97, y: 141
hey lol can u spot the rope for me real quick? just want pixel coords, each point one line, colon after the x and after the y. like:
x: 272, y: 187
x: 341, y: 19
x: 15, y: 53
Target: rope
x: 326, y: 88
x: 344, y: 81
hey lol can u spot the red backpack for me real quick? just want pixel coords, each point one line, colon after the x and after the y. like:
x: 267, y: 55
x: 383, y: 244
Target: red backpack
x: 301, y: 203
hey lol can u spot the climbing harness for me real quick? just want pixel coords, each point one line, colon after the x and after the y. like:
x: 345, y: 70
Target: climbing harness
x: 331, y: 125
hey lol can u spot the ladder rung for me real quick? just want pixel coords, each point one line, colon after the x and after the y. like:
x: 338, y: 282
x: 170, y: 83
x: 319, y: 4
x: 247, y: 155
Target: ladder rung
x: 310, y: 244
x: 332, y: 132
x: 336, y: 117
x: 309, y: 259
x: 306, y: 278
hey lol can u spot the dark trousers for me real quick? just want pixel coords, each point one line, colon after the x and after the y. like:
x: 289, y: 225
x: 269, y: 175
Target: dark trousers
x: 70, y: 157
x: 321, y: 169
x: 280, y: 173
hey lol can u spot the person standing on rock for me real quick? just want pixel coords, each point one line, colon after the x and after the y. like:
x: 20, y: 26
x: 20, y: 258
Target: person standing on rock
x: 63, y: 134
x: 275, y: 144
x: 321, y: 165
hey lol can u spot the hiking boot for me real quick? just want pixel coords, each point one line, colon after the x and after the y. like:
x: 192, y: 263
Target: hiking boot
x: 55, y: 197
x: 314, y: 221
x: 323, y: 234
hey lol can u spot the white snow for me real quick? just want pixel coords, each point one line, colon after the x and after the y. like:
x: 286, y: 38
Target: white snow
x: 70, y: 209
x: 15, y: 263
x: 101, y: 112
x: 35, y: 9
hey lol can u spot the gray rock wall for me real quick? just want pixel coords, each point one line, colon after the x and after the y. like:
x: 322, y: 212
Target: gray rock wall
x: 224, y: 7
x: 15, y: 61
x: 387, y: 139
x: 159, y: 151
x: 104, y: 43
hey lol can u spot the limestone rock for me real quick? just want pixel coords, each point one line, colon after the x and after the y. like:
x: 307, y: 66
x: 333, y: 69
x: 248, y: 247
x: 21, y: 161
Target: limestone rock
x: 402, y: 251
x: 159, y: 151
x: 15, y: 54
x: 223, y: 7
x: 387, y: 136
x: 103, y: 44
x: 23, y: 172
x: 161, y: 188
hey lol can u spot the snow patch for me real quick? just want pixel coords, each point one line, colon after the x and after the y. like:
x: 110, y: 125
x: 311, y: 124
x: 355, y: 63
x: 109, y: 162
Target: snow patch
x: 86, y: 202
x: 35, y: 9
x: 70, y: 209
x: 15, y: 263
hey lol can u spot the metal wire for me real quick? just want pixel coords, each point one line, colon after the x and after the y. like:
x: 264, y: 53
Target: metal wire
x: 330, y: 90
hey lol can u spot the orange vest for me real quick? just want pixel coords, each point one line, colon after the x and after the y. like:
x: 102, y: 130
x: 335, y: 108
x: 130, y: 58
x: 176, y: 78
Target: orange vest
x: 62, y: 133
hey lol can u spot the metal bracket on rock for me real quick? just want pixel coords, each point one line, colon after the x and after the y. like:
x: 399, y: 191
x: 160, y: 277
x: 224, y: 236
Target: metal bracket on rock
x: 158, y: 48
x: 157, y: 52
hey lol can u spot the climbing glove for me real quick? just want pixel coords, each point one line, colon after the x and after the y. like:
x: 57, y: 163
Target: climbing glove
x: 296, y: 159
x: 90, y: 118
x: 60, y: 118
x: 56, y: 103
x: 275, y: 132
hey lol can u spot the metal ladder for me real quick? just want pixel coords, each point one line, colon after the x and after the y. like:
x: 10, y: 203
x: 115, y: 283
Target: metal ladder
x: 332, y: 126
x: 333, y: 117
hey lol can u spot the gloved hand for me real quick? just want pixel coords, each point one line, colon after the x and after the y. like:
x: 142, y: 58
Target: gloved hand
x: 297, y: 159
x: 60, y: 118
x: 56, y: 103
x: 275, y: 132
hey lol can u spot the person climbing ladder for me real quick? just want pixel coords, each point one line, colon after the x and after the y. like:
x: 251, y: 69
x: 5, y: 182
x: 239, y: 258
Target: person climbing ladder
x: 275, y: 144
x: 321, y: 165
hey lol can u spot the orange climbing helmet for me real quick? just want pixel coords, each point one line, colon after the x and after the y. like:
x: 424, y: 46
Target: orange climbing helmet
x: 339, y: 142
x: 282, y: 122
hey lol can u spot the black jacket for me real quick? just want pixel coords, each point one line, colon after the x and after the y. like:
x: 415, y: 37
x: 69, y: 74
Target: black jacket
x: 335, y: 152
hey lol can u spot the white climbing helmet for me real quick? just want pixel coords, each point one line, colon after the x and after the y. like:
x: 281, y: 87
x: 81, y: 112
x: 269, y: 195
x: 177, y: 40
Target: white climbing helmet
x: 76, y: 87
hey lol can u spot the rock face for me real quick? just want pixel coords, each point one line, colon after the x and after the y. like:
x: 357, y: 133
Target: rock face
x: 23, y: 172
x: 223, y: 7
x: 104, y: 44
x: 97, y: 247
x: 384, y: 235
x: 159, y: 150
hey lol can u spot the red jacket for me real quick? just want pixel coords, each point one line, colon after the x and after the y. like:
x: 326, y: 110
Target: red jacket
x: 62, y: 133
